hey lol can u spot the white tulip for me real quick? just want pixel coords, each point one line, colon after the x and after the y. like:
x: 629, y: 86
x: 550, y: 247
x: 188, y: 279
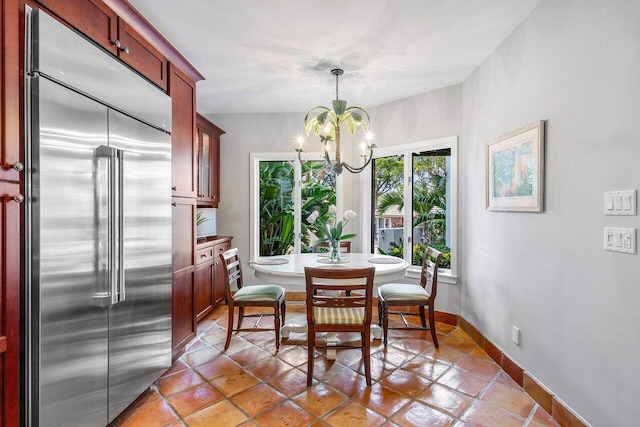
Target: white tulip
x: 332, y: 209
x: 331, y: 222
x: 313, y: 217
x: 349, y: 215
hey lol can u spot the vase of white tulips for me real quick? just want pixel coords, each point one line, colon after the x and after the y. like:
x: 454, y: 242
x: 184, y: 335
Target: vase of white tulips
x: 332, y: 230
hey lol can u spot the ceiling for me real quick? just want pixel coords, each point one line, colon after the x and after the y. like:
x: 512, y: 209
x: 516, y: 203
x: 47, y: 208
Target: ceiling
x: 265, y: 56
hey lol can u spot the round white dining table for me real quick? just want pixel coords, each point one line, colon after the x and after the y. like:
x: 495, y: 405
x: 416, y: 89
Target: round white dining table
x: 289, y: 270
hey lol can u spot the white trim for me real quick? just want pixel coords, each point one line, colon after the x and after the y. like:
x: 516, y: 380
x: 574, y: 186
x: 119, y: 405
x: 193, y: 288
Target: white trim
x: 447, y: 276
x: 254, y: 194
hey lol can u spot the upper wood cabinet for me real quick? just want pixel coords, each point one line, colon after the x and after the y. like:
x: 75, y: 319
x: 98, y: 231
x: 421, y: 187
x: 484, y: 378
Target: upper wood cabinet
x: 91, y: 17
x: 101, y: 24
x: 183, y: 154
x: 208, y: 148
x: 137, y: 52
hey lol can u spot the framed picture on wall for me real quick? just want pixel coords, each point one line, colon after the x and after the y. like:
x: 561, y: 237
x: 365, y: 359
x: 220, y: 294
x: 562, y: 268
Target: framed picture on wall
x: 515, y: 170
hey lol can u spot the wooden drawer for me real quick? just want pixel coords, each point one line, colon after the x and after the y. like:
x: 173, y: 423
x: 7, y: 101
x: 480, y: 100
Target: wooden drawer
x: 204, y: 255
x: 221, y: 247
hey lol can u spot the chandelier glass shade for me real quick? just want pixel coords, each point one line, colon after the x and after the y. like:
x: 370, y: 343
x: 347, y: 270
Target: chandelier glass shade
x: 326, y: 122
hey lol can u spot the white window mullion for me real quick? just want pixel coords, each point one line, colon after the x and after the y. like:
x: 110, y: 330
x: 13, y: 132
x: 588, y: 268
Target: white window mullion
x: 408, y: 207
x: 297, y: 207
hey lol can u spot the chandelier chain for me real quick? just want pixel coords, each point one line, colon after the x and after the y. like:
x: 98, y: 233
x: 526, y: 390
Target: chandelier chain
x: 337, y: 75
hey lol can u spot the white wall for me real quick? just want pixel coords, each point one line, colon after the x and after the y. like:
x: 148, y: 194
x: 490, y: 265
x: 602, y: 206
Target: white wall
x: 575, y: 64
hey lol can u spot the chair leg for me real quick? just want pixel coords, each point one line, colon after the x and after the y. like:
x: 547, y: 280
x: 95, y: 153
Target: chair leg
x: 385, y: 322
x: 379, y: 312
x: 311, y: 342
x: 229, y: 325
x: 432, y: 325
x: 276, y: 324
x: 283, y: 309
x: 422, y: 318
x: 366, y: 344
x: 240, y: 315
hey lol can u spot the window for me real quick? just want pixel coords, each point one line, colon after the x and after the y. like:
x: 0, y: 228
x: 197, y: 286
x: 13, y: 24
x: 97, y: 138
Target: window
x: 284, y: 193
x: 413, y: 201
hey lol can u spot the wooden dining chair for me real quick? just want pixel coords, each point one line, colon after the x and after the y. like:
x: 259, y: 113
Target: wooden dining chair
x: 332, y: 310
x: 345, y: 247
x: 250, y: 296
x: 408, y: 295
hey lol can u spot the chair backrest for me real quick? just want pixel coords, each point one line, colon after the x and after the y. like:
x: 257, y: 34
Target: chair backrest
x: 429, y: 273
x: 345, y: 247
x: 232, y: 270
x: 335, y: 283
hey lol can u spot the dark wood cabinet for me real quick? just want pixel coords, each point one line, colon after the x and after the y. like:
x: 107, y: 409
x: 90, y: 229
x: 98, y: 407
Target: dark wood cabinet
x: 183, y: 232
x: 183, y: 241
x: 141, y: 55
x: 93, y: 18
x: 183, y: 155
x: 209, y: 286
x: 10, y: 262
x: 208, y: 147
x: 100, y: 23
x: 183, y: 323
x: 203, y: 299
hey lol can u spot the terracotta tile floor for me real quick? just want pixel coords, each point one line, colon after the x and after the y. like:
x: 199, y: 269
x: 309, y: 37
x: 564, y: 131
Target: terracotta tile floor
x: 413, y: 384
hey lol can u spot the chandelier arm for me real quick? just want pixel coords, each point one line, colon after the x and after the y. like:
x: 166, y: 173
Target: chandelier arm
x: 353, y: 169
x: 300, y: 151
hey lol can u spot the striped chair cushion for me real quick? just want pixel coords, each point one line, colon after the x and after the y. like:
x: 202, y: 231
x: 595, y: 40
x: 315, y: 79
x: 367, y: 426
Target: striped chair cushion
x: 338, y: 316
x: 400, y: 291
x: 260, y: 293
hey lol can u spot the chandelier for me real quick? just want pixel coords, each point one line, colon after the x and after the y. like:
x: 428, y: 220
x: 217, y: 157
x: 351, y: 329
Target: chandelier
x: 326, y: 122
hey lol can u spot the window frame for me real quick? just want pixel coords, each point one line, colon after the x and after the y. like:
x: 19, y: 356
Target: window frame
x: 254, y: 196
x: 407, y: 150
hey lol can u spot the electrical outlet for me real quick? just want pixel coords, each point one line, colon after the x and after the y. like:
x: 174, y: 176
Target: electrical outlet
x: 515, y: 335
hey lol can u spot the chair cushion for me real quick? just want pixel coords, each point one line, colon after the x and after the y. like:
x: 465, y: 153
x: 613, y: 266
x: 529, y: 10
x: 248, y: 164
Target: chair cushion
x: 402, y: 291
x: 260, y: 293
x: 338, y: 315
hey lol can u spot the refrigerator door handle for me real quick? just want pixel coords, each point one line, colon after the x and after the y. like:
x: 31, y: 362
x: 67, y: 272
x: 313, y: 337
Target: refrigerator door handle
x: 111, y: 296
x: 120, y: 223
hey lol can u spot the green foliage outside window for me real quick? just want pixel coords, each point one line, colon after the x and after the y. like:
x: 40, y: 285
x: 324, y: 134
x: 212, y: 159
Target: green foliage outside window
x: 276, y: 204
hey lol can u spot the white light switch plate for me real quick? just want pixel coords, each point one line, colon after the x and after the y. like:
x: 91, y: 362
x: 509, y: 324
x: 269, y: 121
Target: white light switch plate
x: 620, y: 202
x: 620, y: 239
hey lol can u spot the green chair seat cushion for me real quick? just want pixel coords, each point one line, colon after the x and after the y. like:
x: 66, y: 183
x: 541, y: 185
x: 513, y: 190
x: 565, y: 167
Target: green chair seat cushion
x: 260, y: 293
x: 338, y: 315
x: 402, y: 291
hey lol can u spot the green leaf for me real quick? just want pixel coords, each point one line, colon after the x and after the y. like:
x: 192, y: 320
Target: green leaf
x: 339, y: 106
x: 347, y: 236
x: 322, y: 117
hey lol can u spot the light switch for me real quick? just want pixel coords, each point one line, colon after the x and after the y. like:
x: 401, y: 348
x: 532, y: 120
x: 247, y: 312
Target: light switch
x: 620, y: 239
x: 617, y: 202
x: 620, y: 202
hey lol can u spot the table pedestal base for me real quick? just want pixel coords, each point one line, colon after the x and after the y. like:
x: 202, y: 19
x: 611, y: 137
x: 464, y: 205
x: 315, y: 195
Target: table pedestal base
x: 301, y: 328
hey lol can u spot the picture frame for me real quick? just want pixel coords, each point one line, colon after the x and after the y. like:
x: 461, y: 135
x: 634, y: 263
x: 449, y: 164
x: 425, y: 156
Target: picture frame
x: 515, y: 170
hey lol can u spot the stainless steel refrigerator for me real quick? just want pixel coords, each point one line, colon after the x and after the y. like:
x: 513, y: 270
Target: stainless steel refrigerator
x: 98, y: 229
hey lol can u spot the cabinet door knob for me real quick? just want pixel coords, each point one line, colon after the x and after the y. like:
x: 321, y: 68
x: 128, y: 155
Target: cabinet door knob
x: 174, y: 188
x: 174, y: 204
x: 18, y: 166
x: 119, y: 46
x: 18, y: 198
